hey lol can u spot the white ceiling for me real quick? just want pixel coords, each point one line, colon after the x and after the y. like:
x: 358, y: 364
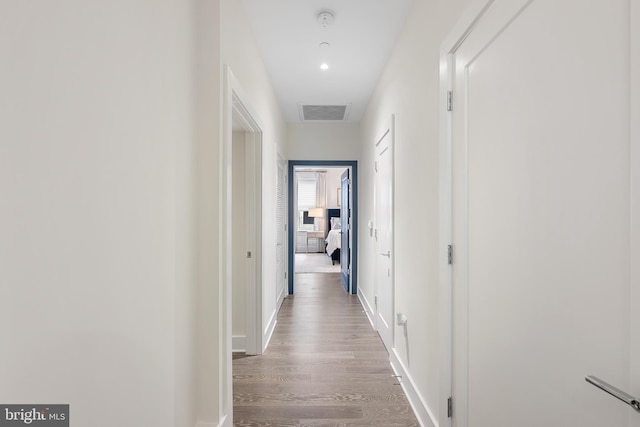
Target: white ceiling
x: 361, y: 38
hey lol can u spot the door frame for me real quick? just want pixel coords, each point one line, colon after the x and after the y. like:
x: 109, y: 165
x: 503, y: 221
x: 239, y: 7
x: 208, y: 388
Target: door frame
x: 635, y: 196
x: 345, y: 235
x: 467, y: 22
x: 353, y: 164
x: 281, y: 295
x: 474, y: 12
x: 387, y: 130
x: 242, y: 112
x: 235, y: 105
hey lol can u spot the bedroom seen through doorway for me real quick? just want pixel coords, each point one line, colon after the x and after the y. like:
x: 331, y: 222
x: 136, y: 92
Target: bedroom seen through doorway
x: 317, y: 242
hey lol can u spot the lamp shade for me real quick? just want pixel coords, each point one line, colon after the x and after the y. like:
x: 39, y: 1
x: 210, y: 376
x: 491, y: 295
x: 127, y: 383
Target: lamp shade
x: 315, y: 212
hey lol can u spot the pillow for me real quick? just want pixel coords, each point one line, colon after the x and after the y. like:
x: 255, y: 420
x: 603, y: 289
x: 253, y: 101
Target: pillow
x: 335, y: 223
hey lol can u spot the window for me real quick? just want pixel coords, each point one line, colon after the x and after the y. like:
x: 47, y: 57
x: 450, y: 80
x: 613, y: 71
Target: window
x: 306, y: 201
x: 306, y: 193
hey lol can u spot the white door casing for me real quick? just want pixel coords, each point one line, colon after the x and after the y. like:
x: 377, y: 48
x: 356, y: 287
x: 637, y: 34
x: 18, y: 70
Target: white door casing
x: 541, y: 213
x: 236, y: 107
x: 384, y: 235
x: 635, y: 200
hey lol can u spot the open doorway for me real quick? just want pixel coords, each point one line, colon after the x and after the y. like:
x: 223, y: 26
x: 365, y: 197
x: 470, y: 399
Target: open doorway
x: 245, y: 254
x: 316, y: 224
x: 321, y: 214
x: 242, y: 243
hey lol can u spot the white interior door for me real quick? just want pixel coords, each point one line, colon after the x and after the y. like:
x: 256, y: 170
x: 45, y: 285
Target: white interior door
x: 541, y: 214
x: 384, y: 236
x: 280, y: 233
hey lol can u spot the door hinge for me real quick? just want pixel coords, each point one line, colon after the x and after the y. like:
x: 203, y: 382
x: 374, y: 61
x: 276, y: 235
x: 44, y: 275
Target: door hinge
x: 248, y: 254
x: 450, y: 101
x: 285, y: 274
x: 375, y: 164
x: 375, y: 301
x: 449, y: 407
x: 450, y: 254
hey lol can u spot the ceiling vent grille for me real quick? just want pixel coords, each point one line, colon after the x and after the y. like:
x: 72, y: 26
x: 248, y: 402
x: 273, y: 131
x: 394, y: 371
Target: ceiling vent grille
x: 324, y: 112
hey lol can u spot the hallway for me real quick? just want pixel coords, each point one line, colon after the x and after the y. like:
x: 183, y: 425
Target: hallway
x: 324, y: 366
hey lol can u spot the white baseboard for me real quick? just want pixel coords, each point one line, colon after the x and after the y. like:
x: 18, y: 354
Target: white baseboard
x: 268, y: 332
x: 239, y: 343
x: 224, y: 422
x: 367, y: 309
x: 419, y: 406
x: 280, y: 299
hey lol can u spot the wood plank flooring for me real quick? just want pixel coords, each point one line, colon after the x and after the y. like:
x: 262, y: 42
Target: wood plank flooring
x: 324, y: 366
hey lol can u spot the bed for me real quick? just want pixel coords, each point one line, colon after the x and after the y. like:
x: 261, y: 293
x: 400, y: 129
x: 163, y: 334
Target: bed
x: 334, y: 237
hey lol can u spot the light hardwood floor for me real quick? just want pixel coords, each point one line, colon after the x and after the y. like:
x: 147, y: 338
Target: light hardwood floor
x: 324, y: 366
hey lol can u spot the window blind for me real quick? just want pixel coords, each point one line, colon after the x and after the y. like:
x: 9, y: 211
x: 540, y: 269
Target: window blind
x: 306, y: 193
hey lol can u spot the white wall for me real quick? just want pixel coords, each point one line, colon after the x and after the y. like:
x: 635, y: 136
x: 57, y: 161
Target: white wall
x: 97, y: 149
x: 409, y: 89
x: 238, y: 321
x: 110, y: 163
x: 324, y: 141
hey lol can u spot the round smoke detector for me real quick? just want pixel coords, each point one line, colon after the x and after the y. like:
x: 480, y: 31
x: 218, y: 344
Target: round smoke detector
x: 326, y: 17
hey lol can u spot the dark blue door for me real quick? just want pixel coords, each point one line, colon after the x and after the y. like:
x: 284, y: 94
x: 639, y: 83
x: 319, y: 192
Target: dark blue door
x: 345, y: 215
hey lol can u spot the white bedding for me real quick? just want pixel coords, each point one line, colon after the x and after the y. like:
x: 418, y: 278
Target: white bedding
x: 333, y: 241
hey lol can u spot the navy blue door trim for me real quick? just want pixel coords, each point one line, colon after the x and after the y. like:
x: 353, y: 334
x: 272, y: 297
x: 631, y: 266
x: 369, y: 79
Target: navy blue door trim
x: 354, y: 227
x: 345, y: 258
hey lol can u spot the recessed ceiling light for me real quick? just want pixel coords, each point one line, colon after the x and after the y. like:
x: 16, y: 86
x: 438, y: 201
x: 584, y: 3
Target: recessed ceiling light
x: 324, y: 66
x: 324, y: 45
